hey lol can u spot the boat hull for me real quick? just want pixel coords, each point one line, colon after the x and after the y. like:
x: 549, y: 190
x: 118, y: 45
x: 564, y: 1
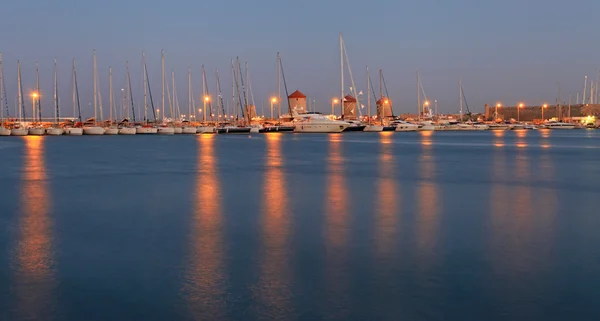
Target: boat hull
x: 37, y: 131
x: 19, y: 132
x: 74, y: 131
x: 146, y: 130
x: 205, y: 130
x: 127, y: 131
x: 4, y: 131
x: 373, y: 128
x: 405, y: 128
x: 178, y: 130
x: 189, y: 130
x: 358, y: 128
x: 111, y: 131
x: 166, y: 130
x: 254, y: 130
x: 320, y: 128
x: 93, y: 131
x: 273, y: 129
x: 55, y: 131
x: 234, y: 130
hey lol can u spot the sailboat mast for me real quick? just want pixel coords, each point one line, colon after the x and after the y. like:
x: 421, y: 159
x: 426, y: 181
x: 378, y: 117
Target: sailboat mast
x: 461, y: 99
x: 73, y: 89
x: 382, y: 109
x: 56, y: 110
x: 233, y: 102
x: 110, y: 98
x: 129, y: 89
x: 145, y: 87
x: 584, y: 89
x: 342, y: 75
x: 37, y: 104
x: 95, y: 87
x: 76, y: 91
x: 368, y: 95
x: 278, y: 85
x: 162, y: 72
x: 3, y: 89
x: 418, y: 95
x: 172, y: 107
x: 20, y: 89
x: 203, y: 95
x: 1, y: 93
x: 246, y: 89
x: 189, y: 92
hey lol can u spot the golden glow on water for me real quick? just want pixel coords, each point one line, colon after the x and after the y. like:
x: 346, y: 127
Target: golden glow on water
x: 34, y: 254
x: 426, y: 137
x: 336, y: 230
x: 499, y: 138
x: 205, y: 277
x: 428, y: 206
x: 273, y: 290
x: 387, y: 200
x: 521, y: 138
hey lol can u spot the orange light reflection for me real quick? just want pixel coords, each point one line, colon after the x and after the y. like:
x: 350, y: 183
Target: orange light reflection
x: 34, y: 271
x: 387, y: 200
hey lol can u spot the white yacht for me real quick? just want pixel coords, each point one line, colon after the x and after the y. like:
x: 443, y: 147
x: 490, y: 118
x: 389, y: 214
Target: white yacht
x: 166, y: 130
x: 177, y: 130
x: 189, y: 130
x: 127, y: 130
x: 473, y: 126
x: 558, y: 125
x: 74, y: 131
x: 428, y: 126
x: 37, y: 131
x: 317, y: 123
x: 93, y: 130
x: 19, y: 130
x: 146, y: 130
x: 404, y: 126
x: 111, y: 130
x: 205, y: 129
x: 498, y: 126
x: 4, y: 131
x: 55, y: 131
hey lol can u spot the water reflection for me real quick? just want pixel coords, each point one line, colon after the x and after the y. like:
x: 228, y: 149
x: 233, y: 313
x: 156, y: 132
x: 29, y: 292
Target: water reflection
x: 34, y: 279
x: 521, y: 138
x: 205, y: 277
x: 498, y: 138
x: 545, y: 134
x: 387, y: 199
x: 336, y: 233
x: 428, y: 207
x: 273, y: 291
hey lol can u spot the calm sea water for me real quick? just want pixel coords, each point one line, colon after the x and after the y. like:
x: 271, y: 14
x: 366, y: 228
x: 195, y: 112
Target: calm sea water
x: 356, y: 226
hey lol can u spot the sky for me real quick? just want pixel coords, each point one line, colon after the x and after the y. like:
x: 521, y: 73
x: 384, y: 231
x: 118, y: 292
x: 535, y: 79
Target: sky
x: 503, y: 51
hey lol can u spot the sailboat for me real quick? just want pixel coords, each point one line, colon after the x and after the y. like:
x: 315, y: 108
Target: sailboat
x: 126, y: 128
x: 55, y: 130
x: 111, y: 129
x: 19, y: 128
x: 75, y: 130
x: 205, y: 128
x: 147, y: 128
x: 4, y: 131
x: 91, y: 125
x: 162, y: 128
x: 36, y: 128
x: 187, y: 128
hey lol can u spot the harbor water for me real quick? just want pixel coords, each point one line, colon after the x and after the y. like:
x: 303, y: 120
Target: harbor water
x: 493, y: 225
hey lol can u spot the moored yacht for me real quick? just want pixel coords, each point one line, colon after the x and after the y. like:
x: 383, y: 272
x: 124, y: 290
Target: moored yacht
x: 403, y: 126
x: 373, y: 128
x: 165, y: 130
x: 146, y: 130
x: 557, y: 125
x: 317, y: 123
x: 19, y: 130
x: 37, y: 131
x: 54, y: 131
x: 498, y: 126
x: 4, y: 131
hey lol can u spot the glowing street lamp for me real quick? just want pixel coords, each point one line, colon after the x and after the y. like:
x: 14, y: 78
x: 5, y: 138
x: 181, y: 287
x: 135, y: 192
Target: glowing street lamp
x: 498, y: 105
x: 544, y: 107
x: 273, y: 100
x: 519, y: 111
x: 205, y: 100
x: 34, y: 97
x: 333, y: 102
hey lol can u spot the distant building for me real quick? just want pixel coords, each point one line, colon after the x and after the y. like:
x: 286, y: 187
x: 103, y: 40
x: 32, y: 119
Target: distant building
x: 531, y: 113
x: 349, y: 107
x: 298, y: 101
x: 384, y: 108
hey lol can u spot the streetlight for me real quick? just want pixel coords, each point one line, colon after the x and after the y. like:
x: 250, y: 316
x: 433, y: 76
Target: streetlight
x: 206, y: 99
x: 34, y: 97
x: 273, y: 100
x: 544, y: 107
x: 158, y: 112
x: 519, y: 112
x: 498, y: 105
x: 333, y: 102
x: 426, y: 105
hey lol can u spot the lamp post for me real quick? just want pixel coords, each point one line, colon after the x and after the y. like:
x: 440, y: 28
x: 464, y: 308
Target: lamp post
x: 498, y: 105
x: 333, y: 102
x: 426, y: 105
x: 273, y: 100
x: 34, y: 97
x: 544, y: 107
x: 519, y: 112
x: 158, y: 112
x: 206, y: 100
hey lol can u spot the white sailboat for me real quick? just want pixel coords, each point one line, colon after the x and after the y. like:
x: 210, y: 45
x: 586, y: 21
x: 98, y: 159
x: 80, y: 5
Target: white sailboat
x: 92, y: 128
x: 75, y: 130
x: 4, y: 130
x: 371, y: 127
x: 55, y: 129
x: 168, y: 128
x: 19, y: 128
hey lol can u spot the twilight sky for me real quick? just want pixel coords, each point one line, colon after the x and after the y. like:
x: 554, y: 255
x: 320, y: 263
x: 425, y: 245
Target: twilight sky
x: 508, y: 51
